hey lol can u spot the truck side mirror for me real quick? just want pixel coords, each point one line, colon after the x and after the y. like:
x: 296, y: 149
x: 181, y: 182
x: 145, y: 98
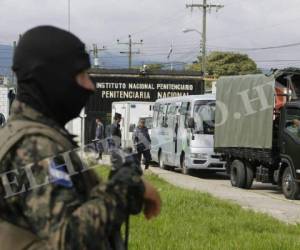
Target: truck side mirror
x: 131, y: 127
x: 191, y: 122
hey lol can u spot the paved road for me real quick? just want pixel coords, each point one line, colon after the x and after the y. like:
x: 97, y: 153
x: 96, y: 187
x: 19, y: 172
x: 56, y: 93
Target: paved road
x: 264, y: 198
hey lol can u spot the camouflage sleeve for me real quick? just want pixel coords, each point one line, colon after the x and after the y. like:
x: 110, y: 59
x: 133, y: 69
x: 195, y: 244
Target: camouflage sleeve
x: 70, y: 215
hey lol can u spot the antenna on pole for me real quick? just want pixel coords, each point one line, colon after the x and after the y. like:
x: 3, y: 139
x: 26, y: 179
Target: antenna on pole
x: 95, y: 50
x: 69, y: 15
x: 169, y: 55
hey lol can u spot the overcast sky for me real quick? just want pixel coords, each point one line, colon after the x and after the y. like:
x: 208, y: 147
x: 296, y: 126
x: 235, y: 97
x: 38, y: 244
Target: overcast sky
x: 239, y: 25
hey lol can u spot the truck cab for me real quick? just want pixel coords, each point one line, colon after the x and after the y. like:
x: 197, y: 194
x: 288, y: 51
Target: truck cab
x: 258, y: 129
x: 289, y: 145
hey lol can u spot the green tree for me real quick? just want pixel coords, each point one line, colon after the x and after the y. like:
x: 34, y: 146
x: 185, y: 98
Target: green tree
x: 155, y: 66
x: 226, y: 63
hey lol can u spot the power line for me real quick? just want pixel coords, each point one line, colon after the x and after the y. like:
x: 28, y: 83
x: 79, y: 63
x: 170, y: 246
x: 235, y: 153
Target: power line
x: 289, y: 45
x: 164, y: 21
x: 152, y: 54
x: 275, y: 47
x: 182, y: 47
x: 279, y: 60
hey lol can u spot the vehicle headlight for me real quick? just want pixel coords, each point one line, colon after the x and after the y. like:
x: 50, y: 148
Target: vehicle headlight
x: 199, y: 155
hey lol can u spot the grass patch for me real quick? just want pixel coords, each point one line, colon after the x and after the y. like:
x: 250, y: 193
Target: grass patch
x: 192, y: 220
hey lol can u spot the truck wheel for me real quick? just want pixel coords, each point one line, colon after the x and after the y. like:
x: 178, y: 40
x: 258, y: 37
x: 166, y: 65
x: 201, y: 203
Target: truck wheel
x: 290, y: 188
x: 238, y: 174
x: 249, y: 175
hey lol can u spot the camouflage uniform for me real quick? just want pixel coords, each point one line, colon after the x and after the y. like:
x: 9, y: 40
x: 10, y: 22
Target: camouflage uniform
x: 79, y: 217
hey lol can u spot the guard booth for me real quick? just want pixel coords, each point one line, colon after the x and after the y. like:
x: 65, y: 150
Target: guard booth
x: 134, y: 85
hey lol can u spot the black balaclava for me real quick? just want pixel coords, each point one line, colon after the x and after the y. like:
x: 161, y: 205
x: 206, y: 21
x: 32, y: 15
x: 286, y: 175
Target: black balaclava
x: 46, y: 62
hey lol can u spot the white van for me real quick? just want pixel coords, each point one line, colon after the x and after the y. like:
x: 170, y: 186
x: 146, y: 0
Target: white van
x: 131, y: 113
x: 182, y: 133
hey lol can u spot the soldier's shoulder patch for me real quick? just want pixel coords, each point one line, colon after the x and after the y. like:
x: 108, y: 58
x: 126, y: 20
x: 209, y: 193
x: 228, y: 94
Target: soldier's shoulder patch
x: 59, y: 175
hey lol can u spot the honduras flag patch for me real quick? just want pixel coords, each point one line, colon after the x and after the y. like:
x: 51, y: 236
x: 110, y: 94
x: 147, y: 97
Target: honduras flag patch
x: 59, y: 175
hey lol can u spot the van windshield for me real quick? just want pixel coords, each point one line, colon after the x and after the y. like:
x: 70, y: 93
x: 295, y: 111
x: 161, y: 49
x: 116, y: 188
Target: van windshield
x: 204, y: 116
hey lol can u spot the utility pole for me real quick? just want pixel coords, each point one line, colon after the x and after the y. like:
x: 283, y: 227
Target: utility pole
x: 130, y: 52
x: 95, y: 52
x: 12, y: 85
x: 14, y: 80
x: 205, y: 7
x: 169, y: 55
x: 69, y: 15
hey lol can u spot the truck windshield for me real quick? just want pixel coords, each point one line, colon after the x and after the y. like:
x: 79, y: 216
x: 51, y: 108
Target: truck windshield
x: 292, y: 123
x: 204, y: 116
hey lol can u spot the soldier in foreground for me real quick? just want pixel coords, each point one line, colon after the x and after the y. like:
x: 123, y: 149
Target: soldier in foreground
x: 71, y: 211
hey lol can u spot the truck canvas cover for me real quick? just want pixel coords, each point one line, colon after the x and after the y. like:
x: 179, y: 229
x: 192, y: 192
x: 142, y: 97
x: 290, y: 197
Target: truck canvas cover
x: 244, y: 111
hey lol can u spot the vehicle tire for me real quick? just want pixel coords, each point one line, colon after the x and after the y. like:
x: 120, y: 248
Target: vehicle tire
x: 249, y: 175
x: 290, y: 188
x: 161, y: 162
x: 184, y: 169
x: 238, y: 174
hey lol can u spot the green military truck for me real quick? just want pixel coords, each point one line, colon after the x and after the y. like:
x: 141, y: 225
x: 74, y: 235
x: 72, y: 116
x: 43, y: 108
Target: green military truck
x: 257, y: 129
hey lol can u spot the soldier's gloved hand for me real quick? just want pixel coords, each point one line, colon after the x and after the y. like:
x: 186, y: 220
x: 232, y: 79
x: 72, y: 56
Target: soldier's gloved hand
x: 152, y: 201
x: 126, y: 174
x: 127, y: 179
x: 141, y: 194
x: 124, y: 158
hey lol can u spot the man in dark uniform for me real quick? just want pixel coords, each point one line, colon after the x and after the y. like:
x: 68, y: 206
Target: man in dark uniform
x: 142, y: 142
x: 116, y: 131
x: 2, y: 120
x: 45, y: 207
x: 99, y: 137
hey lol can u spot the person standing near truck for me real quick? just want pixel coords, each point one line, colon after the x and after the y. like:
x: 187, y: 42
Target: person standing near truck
x: 2, y: 120
x: 294, y: 127
x: 142, y: 142
x: 116, y: 131
x: 99, y: 136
